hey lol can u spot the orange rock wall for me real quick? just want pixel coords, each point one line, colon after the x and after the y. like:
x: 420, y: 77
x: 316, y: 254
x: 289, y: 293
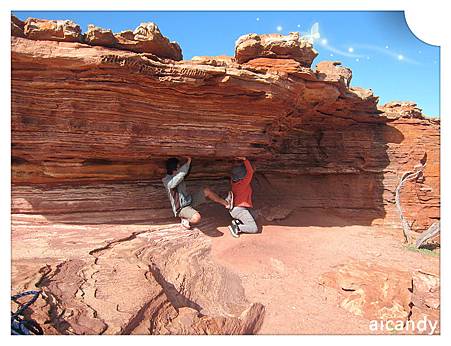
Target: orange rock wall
x: 84, y: 117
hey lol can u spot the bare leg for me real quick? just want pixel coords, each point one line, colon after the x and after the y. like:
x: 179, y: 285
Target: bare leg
x: 210, y: 194
x: 195, y: 218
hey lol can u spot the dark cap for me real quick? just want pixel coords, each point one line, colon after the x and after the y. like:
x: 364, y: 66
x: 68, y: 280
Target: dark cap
x: 238, y: 172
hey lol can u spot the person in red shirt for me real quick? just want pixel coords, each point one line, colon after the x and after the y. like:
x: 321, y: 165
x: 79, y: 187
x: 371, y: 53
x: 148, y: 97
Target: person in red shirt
x: 243, y: 221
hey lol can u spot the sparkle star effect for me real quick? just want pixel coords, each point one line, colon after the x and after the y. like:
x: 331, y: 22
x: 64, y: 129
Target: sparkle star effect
x: 388, y: 52
x: 362, y: 49
x: 349, y: 53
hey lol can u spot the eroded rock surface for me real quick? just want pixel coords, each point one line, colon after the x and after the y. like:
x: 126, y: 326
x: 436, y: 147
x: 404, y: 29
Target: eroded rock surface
x: 53, y: 30
x: 96, y: 36
x: 291, y: 46
x: 94, y: 120
x: 333, y: 71
x: 17, y: 27
x: 402, y: 109
x: 425, y: 297
x: 328, y: 135
x: 382, y: 293
x: 147, y: 38
x: 150, y: 281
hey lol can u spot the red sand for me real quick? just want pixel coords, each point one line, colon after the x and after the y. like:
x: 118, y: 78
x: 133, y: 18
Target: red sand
x: 281, y: 268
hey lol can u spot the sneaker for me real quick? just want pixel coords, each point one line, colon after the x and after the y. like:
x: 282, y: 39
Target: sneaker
x: 234, y: 230
x: 185, y: 224
x: 229, y: 200
x: 236, y: 222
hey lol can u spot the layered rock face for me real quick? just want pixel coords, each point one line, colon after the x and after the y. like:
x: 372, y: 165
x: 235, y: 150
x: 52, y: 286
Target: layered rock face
x: 94, y: 118
x: 86, y: 113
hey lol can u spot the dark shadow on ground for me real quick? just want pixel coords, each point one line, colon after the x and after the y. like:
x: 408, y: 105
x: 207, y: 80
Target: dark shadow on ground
x: 216, y: 216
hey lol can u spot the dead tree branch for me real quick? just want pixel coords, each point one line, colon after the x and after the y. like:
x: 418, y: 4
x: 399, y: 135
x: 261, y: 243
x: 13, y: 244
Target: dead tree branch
x: 431, y: 232
x: 407, y: 176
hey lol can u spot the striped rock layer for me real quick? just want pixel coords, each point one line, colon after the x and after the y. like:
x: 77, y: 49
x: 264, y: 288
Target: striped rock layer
x: 93, y: 125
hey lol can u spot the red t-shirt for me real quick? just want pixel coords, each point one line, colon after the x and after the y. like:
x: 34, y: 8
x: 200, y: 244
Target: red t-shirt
x: 242, y: 190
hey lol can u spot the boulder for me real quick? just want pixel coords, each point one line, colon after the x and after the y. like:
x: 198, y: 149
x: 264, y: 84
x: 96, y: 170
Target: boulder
x: 380, y: 292
x: 426, y: 290
x: 272, y: 213
x: 291, y: 46
x: 426, y: 300
x: 332, y: 71
x: 371, y: 290
x: 52, y: 30
x: 402, y: 109
x: 126, y: 35
x: 147, y: 38
x: 17, y: 27
x: 96, y: 36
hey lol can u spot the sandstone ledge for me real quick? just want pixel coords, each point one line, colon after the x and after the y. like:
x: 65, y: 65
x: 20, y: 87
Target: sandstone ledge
x: 92, y: 113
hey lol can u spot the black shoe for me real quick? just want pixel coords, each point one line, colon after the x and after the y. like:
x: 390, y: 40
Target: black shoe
x: 234, y: 230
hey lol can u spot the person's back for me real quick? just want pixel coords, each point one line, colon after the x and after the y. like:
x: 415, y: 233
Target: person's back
x: 242, y: 199
x: 241, y: 188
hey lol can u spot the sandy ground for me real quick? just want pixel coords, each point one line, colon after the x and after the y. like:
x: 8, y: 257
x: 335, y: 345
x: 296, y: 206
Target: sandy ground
x: 279, y: 267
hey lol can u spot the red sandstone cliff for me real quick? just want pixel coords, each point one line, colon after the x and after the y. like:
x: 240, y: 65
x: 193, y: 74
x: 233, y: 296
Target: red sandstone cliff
x: 94, y: 116
x: 86, y: 113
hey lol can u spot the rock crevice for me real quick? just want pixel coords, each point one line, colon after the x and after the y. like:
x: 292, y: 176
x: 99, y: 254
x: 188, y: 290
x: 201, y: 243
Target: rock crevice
x: 82, y: 295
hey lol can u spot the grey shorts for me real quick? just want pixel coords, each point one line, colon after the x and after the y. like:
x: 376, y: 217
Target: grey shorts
x: 198, y: 198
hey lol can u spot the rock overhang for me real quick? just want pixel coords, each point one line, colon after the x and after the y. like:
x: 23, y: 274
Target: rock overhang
x: 207, y: 99
x: 93, y: 122
x: 87, y: 113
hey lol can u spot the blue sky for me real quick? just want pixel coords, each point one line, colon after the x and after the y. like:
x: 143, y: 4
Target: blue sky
x: 382, y: 52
